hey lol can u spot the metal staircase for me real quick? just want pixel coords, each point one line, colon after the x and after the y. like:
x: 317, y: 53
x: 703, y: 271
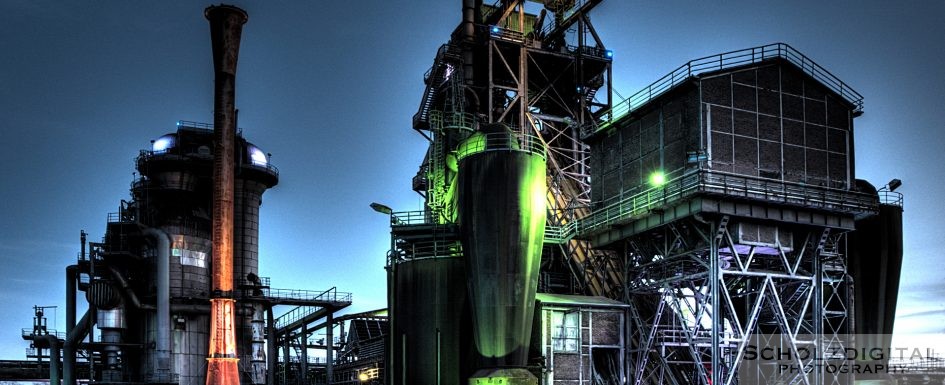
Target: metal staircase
x: 448, y: 59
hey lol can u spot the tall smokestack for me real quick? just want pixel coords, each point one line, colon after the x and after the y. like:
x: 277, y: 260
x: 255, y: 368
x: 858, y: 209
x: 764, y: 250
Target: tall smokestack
x: 226, y: 25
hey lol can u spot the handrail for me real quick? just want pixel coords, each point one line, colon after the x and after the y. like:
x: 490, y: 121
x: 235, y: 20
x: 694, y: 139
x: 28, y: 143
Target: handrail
x: 502, y: 33
x: 548, y: 28
x: 500, y: 141
x: 696, y: 181
x: 430, y: 249
x: 891, y: 198
x: 553, y: 234
x: 926, y: 365
x: 713, y: 182
x: 442, y: 120
x: 145, y: 155
x: 408, y: 218
x: 330, y: 295
x: 28, y: 333
x: 202, y: 126
x: 723, y: 61
x: 268, y: 167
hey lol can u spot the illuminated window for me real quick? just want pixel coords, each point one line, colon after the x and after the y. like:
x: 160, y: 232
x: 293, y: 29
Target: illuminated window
x: 565, y: 331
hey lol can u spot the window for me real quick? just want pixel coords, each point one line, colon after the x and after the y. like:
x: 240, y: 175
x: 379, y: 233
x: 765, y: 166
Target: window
x: 565, y: 329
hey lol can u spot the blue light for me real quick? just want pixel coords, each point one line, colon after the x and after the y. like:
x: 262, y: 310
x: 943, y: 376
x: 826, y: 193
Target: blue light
x: 609, y: 54
x: 494, y: 29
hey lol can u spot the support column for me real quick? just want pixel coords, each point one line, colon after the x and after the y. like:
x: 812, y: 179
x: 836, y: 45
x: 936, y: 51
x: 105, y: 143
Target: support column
x: 303, y: 360
x: 329, y: 347
x: 54, y: 378
x: 818, y: 308
x: 285, y: 359
x: 272, y: 353
x: 715, y: 276
x: 72, y: 278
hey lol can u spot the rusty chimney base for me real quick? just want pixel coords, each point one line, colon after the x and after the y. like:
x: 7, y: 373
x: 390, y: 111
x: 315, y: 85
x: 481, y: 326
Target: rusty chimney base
x: 223, y: 371
x: 222, y: 366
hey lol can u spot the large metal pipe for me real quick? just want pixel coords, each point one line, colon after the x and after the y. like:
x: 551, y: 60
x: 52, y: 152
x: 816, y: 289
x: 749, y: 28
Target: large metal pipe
x: 53, y: 343
x: 163, y: 344
x: 73, y: 338
x: 72, y: 278
x: 129, y: 292
x: 469, y: 37
x: 226, y: 26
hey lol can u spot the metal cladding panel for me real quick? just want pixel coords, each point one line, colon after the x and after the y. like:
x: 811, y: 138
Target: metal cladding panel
x: 778, y: 123
x: 502, y: 220
x: 189, y: 344
x: 189, y: 348
x: 190, y: 265
x: 875, y: 263
x: 429, y: 298
x: 179, y: 180
x: 248, y: 198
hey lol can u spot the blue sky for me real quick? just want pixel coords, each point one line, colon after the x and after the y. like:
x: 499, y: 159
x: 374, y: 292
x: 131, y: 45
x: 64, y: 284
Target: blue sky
x: 329, y: 88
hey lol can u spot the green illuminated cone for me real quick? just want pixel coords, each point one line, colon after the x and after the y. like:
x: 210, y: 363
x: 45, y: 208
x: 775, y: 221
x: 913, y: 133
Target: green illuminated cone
x: 501, y: 197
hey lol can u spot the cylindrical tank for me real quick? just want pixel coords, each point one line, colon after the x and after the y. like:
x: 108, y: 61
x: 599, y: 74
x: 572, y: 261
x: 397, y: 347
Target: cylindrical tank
x: 427, y: 310
x: 247, y: 199
x: 501, y: 208
x: 111, y: 322
x: 875, y: 261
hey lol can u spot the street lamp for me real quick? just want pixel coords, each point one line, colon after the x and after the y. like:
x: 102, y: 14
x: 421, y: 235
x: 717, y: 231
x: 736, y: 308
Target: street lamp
x: 381, y: 208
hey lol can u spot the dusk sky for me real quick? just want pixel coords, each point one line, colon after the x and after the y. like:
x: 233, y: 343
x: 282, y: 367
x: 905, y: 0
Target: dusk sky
x: 329, y: 87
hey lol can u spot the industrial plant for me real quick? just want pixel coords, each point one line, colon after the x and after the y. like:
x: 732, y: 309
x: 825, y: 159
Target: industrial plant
x: 566, y: 238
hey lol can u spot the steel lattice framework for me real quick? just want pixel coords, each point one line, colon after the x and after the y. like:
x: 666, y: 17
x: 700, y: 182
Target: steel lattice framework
x: 546, y: 74
x: 699, y: 298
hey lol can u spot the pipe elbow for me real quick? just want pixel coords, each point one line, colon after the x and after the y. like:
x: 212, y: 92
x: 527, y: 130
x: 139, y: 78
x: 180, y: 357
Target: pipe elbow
x: 158, y: 235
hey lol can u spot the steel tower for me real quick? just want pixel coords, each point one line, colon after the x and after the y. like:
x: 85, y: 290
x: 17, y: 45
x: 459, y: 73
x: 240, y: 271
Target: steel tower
x: 504, y: 105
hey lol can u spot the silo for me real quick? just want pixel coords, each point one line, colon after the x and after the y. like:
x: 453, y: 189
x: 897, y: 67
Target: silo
x: 501, y: 210
x: 875, y: 264
x: 427, y: 340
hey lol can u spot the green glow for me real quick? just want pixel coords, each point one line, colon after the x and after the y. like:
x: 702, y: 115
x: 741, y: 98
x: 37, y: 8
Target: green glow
x: 503, y: 243
x: 657, y: 178
x: 502, y: 376
x: 474, y: 144
x: 501, y: 340
x: 491, y: 380
x: 452, y: 163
